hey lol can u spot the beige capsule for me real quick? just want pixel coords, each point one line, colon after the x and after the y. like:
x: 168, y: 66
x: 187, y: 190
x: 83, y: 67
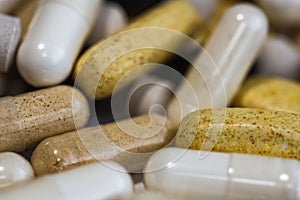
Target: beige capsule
x: 129, y: 144
x: 269, y: 93
x: 29, y: 118
x: 242, y: 130
x: 99, y: 68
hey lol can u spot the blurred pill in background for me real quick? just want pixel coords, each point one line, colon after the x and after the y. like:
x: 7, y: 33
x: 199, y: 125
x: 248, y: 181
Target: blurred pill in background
x: 111, y: 17
x: 14, y: 169
x: 279, y: 56
x: 10, y: 33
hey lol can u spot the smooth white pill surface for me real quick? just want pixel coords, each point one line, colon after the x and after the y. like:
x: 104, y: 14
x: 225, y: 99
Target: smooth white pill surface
x: 192, y: 175
x: 107, y: 180
x: 53, y: 40
x: 111, y: 17
x: 231, y: 49
x: 7, y: 6
x: 14, y: 169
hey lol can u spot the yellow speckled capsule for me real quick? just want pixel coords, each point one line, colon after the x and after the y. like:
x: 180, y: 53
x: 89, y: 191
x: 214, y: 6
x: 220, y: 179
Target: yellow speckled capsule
x: 242, y: 130
x: 269, y: 93
x: 176, y: 15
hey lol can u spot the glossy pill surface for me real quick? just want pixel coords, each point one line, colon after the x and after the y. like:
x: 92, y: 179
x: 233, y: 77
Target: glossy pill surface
x: 176, y: 15
x: 107, y: 180
x: 269, y: 93
x: 242, y: 130
x: 218, y: 72
x: 49, y: 49
x: 14, y: 169
x: 216, y: 176
x: 28, y: 118
x: 131, y: 147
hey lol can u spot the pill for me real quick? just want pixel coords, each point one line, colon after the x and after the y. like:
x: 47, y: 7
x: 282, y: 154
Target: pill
x: 151, y: 194
x: 7, y: 6
x: 14, y: 169
x: 206, y: 8
x: 170, y: 16
x: 29, y: 118
x: 111, y: 18
x: 217, y: 74
x: 107, y: 180
x: 270, y: 60
x: 131, y: 147
x: 269, y: 93
x: 10, y: 33
x: 49, y: 49
x: 184, y: 174
x: 241, y: 130
x: 282, y: 14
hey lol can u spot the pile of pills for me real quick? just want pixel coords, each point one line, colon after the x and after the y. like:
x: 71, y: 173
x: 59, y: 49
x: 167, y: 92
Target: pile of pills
x: 190, y: 99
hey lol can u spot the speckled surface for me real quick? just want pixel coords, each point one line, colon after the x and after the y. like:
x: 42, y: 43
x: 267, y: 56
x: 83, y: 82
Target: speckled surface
x: 74, y: 149
x: 269, y: 93
x: 176, y: 15
x: 27, y: 119
x: 245, y: 130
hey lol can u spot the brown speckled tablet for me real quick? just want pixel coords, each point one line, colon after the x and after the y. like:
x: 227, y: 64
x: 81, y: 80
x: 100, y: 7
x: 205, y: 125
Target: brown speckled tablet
x: 269, y: 93
x: 71, y: 150
x: 245, y: 130
x: 29, y: 118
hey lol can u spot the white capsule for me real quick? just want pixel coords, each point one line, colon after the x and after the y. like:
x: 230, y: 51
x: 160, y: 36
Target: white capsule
x: 107, y: 180
x: 219, y: 71
x: 111, y: 17
x: 185, y: 173
x: 14, y: 169
x: 279, y: 56
x: 282, y: 14
x: 53, y: 40
x: 205, y: 8
x: 7, y: 6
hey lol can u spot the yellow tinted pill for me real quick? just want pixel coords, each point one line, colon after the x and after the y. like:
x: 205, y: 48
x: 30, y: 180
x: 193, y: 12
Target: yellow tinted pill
x: 242, y: 130
x: 29, y: 118
x: 175, y: 15
x: 109, y: 142
x: 269, y: 93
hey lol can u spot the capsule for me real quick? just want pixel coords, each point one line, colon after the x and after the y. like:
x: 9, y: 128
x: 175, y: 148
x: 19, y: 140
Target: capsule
x: 241, y: 130
x: 129, y: 144
x: 218, y: 72
x: 269, y: 93
x: 270, y: 60
x: 49, y: 49
x: 10, y: 34
x: 183, y: 173
x: 107, y: 180
x: 282, y: 14
x: 29, y: 118
x: 111, y: 18
x: 156, y: 27
x: 6, y: 6
x: 14, y: 169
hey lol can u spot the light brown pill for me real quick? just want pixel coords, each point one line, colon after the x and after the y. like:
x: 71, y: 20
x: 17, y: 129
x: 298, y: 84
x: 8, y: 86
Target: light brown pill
x: 269, y: 93
x: 242, y: 130
x: 109, y: 142
x: 175, y: 15
x: 29, y: 118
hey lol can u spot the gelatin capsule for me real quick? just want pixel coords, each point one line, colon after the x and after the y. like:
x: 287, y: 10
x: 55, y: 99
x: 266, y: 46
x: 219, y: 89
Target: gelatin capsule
x: 14, y: 169
x: 130, y: 147
x: 107, y: 180
x: 231, y: 49
x: 111, y: 18
x: 216, y: 176
x: 242, y: 130
x: 280, y: 57
x: 176, y: 15
x: 269, y: 93
x: 29, y: 118
x: 10, y: 33
x: 49, y: 49
x: 7, y: 6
